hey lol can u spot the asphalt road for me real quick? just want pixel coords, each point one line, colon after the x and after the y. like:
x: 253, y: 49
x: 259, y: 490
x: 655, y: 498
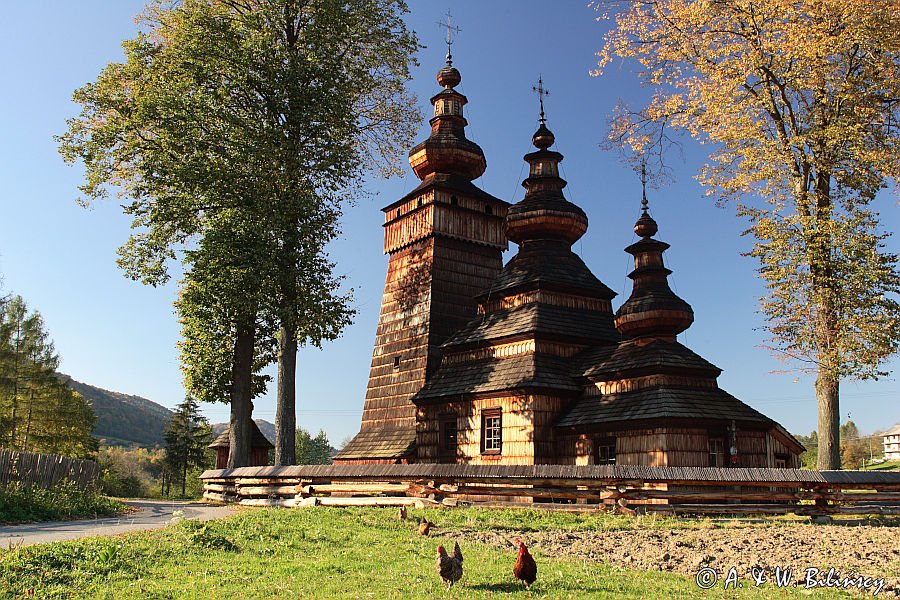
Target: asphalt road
x: 150, y: 514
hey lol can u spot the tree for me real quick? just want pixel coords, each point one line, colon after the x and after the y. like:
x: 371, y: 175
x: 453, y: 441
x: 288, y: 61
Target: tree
x: 800, y: 101
x: 38, y: 412
x: 313, y: 450
x: 187, y: 437
x: 258, y: 115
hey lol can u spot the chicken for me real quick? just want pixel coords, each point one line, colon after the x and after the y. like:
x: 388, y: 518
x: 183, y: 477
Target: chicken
x: 450, y: 567
x: 401, y: 514
x: 425, y: 526
x: 525, y: 568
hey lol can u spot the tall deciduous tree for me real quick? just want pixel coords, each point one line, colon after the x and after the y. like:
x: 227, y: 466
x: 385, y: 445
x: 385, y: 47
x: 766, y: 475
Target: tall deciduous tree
x: 253, y: 116
x: 187, y: 436
x: 800, y: 101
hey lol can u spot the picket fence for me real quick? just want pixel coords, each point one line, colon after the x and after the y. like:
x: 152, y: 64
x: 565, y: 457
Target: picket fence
x: 31, y: 469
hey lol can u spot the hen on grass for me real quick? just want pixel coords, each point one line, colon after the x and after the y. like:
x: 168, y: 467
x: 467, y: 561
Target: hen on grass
x: 449, y: 566
x: 525, y: 569
x: 425, y: 526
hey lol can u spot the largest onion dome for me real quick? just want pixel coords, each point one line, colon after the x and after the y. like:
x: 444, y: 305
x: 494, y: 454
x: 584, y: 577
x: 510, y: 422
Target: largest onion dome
x: 653, y: 310
x: 447, y: 151
x: 544, y: 214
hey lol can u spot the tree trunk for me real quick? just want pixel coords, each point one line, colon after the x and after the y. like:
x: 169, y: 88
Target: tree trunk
x: 286, y: 410
x: 240, y: 439
x: 827, y: 396
x: 184, y: 477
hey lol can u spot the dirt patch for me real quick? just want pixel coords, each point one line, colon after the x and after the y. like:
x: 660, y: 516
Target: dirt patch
x: 862, y: 550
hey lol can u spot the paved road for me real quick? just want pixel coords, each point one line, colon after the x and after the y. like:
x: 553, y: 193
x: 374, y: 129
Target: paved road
x: 151, y: 514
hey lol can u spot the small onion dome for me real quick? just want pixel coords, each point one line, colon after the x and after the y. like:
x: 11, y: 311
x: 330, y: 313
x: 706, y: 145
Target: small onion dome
x: 544, y: 213
x: 653, y: 309
x: 545, y: 216
x: 543, y: 138
x: 448, y: 77
x: 645, y: 226
x: 447, y: 150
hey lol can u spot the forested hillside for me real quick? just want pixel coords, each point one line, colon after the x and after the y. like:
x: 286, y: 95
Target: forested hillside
x: 124, y: 420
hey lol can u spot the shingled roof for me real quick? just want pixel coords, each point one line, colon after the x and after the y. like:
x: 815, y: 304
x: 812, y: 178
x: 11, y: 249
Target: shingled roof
x: 546, y: 320
x: 528, y: 371
x: 379, y: 443
x: 548, y: 265
x: 660, y: 403
x: 633, y: 357
x: 259, y: 440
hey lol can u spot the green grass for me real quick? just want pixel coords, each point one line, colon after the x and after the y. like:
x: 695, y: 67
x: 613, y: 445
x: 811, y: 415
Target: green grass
x: 62, y: 502
x: 891, y: 465
x: 331, y: 553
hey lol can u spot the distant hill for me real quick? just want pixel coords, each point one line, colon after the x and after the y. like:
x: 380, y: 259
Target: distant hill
x: 267, y: 429
x: 122, y: 419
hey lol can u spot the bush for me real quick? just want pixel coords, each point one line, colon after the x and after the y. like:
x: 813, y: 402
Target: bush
x: 19, y: 504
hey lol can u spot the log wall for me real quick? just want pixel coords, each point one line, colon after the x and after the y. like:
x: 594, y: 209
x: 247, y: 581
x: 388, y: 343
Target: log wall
x: 629, y: 489
x: 524, y: 419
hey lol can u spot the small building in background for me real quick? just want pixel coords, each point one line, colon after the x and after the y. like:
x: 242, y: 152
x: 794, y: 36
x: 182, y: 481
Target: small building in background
x: 892, y: 443
x: 259, y: 448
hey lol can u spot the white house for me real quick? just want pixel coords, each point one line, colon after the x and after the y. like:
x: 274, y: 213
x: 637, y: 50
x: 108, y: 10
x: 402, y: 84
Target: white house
x: 892, y: 443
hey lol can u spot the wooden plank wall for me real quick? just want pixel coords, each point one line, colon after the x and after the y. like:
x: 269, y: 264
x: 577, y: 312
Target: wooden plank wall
x: 31, y: 469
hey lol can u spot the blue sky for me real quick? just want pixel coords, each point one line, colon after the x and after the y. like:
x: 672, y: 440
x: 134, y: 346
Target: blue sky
x: 121, y: 335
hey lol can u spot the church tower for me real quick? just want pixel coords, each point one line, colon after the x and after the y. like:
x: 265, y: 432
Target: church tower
x: 445, y: 240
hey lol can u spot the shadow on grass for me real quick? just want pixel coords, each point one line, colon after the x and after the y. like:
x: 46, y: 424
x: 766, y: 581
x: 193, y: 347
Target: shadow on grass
x: 508, y: 588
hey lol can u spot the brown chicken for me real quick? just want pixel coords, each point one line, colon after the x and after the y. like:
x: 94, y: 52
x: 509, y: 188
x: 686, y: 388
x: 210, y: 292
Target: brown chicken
x: 425, y: 526
x: 525, y: 568
x: 450, y: 567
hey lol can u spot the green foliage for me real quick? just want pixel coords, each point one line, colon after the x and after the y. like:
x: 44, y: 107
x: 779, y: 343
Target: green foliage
x: 64, y: 501
x: 809, y: 456
x: 187, y: 437
x: 131, y: 472
x: 237, y: 130
x: 313, y: 450
x: 38, y: 412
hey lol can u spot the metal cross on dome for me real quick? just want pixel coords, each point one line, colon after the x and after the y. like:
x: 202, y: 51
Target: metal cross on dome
x: 541, y: 92
x: 450, y: 31
x: 644, y: 203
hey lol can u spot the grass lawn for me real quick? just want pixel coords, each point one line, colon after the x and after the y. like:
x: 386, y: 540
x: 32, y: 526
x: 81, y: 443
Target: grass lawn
x: 338, y: 553
x: 891, y: 465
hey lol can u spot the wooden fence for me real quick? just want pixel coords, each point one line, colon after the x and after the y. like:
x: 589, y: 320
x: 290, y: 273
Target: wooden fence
x: 46, y: 470
x: 624, y: 488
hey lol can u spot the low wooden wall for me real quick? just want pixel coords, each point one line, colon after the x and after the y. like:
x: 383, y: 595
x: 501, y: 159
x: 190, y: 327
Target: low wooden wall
x: 46, y: 470
x: 627, y: 488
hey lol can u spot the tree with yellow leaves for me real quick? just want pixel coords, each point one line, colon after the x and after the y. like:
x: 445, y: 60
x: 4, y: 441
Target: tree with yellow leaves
x: 799, y: 100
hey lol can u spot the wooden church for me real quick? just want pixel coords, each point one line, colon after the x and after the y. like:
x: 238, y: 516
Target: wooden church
x: 480, y: 363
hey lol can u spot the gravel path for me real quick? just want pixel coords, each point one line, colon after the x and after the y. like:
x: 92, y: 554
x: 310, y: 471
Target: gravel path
x: 852, y: 550
x: 149, y: 514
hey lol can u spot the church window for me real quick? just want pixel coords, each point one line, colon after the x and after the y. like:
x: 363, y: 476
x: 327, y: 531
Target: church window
x: 454, y: 201
x: 491, y: 431
x: 606, y: 451
x: 488, y: 209
x: 398, y: 213
x: 449, y: 435
x: 716, y: 452
x: 396, y: 362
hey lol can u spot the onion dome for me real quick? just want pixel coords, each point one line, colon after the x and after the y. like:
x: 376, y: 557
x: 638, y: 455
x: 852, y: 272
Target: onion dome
x: 544, y: 214
x: 447, y: 151
x: 653, y: 310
